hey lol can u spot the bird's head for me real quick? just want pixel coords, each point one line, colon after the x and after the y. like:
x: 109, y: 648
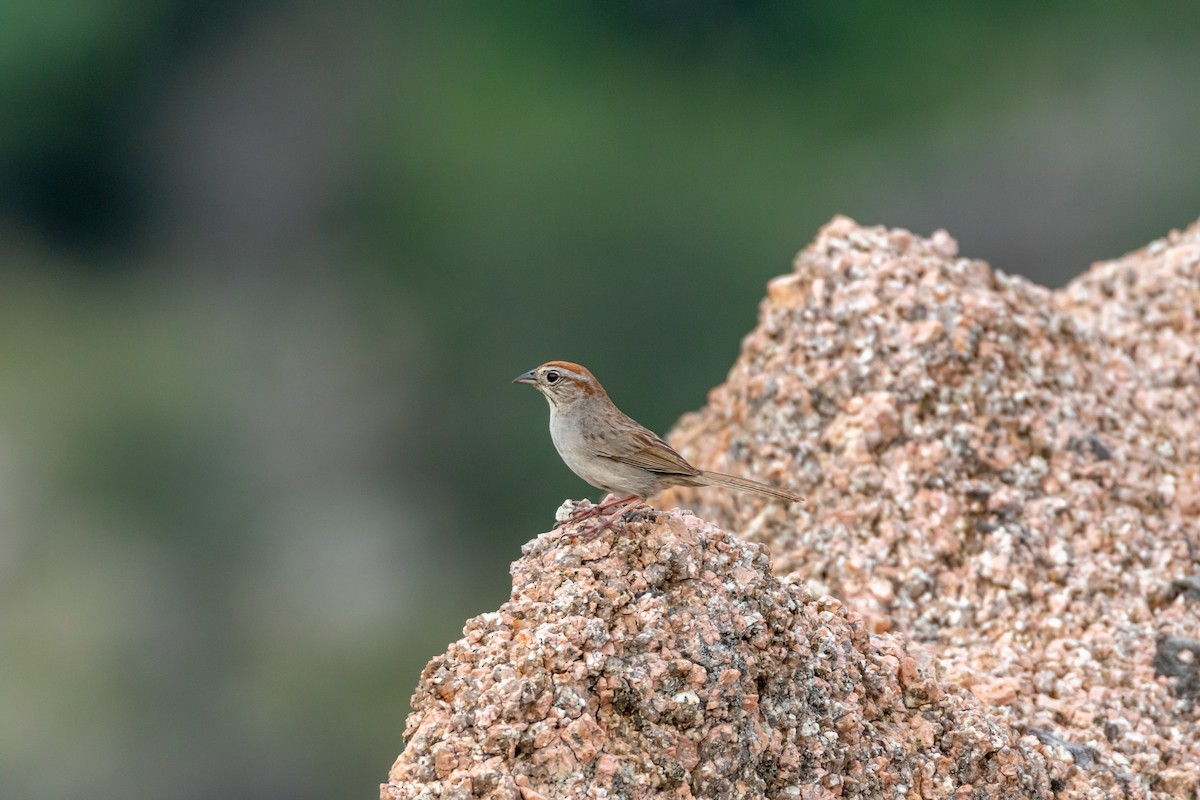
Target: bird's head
x: 562, y: 382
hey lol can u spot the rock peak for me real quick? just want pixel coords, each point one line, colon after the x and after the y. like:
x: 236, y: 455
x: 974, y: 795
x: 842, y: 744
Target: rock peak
x: 664, y: 659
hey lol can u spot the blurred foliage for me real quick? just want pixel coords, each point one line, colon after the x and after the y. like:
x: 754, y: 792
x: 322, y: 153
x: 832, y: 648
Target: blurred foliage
x: 267, y: 269
x: 77, y: 79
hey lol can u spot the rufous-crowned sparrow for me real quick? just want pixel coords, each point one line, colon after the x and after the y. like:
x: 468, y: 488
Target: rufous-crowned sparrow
x: 611, y: 451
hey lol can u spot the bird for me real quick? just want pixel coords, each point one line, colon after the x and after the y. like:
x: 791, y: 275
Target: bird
x: 611, y: 451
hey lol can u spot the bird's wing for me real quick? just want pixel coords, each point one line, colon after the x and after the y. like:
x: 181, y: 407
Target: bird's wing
x: 638, y: 447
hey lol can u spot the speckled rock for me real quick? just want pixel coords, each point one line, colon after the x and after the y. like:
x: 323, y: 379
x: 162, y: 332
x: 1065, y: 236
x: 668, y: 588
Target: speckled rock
x: 1009, y: 475
x: 663, y: 659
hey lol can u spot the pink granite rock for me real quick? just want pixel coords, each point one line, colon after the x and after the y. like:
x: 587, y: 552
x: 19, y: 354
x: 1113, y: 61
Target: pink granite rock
x: 1003, y: 483
x: 664, y: 659
x: 1007, y: 474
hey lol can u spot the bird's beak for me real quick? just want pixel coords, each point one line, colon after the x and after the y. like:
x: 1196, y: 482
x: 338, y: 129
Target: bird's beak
x: 526, y: 377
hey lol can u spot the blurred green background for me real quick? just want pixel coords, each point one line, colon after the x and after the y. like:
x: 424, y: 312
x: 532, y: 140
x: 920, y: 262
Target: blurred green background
x: 266, y: 270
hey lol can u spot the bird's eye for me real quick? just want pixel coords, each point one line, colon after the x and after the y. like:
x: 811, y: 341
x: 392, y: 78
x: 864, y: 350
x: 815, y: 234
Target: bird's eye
x: 552, y: 377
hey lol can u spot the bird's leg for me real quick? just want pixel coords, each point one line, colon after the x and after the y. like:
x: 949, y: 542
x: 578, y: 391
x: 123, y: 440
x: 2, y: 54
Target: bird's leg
x: 609, y: 501
x: 579, y: 515
x: 620, y: 504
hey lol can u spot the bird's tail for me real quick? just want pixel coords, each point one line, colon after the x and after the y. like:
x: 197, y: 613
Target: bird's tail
x: 747, y: 485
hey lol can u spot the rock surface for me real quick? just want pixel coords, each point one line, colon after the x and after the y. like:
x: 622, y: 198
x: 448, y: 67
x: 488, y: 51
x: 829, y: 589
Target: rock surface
x: 663, y: 659
x: 1004, y: 492
x: 1009, y: 475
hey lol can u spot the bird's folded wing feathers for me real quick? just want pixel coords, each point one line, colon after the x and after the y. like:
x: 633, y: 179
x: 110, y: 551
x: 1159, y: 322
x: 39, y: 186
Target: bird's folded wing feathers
x: 644, y: 449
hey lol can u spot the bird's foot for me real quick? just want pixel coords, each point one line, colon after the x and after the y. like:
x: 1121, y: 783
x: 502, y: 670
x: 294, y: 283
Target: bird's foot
x: 619, y: 505
x: 580, y: 514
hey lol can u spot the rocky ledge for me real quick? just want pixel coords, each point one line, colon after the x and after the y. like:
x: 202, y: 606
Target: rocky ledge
x: 1004, y: 492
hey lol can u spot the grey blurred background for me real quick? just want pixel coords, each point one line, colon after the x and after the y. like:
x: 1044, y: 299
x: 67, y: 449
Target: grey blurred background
x: 266, y: 270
